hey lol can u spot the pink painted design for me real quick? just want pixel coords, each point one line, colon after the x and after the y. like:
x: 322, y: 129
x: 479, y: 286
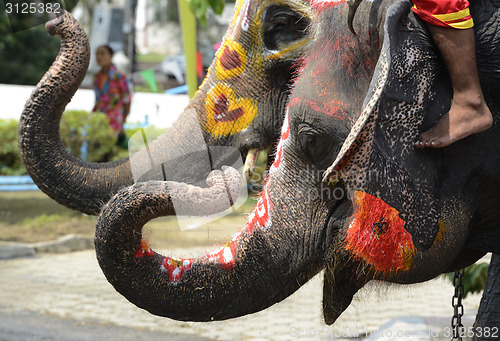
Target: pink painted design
x: 324, y: 4
x: 226, y: 255
x: 333, y: 108
x: 144, y: 250
x: 175, y: 267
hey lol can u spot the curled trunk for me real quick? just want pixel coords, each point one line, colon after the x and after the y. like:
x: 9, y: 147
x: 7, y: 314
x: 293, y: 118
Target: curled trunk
x: 246, y: 275
x: 86, y: 186
x: 40, y: 145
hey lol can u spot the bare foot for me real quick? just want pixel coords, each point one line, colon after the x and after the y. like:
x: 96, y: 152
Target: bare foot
x: 465, y: 118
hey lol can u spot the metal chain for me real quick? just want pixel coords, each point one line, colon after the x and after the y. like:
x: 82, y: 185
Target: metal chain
x: 458, y: 308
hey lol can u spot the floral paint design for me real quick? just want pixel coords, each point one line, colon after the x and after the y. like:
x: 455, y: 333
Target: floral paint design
x: 227, y: 113
x: 175, y: 267
x: 226, y: 255
x: 144, y: 250
x: 231, y: 59
x: 377, y: 235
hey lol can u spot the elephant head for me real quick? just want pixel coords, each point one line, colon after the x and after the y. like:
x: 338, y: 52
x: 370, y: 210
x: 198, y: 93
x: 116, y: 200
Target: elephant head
x: 239, y: 104
x: 347, y: 192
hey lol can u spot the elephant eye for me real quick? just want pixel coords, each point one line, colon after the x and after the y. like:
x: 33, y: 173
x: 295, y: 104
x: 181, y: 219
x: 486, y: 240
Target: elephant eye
x: 283, y: 26
x: 315, y: 145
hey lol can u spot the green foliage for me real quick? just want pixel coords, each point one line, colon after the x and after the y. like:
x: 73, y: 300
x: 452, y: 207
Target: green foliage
x: 25, y: 55
x: 199, y: 8
x: 76, y: 127
x: 474, y: 278
x: 151, y: 132
x: 44, y: 219
x: 10, y: 162
x: 151, y: 57
x: 80, y: 126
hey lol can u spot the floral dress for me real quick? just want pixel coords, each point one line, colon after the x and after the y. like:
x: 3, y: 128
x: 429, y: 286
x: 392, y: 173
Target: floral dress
x: 111, y: 94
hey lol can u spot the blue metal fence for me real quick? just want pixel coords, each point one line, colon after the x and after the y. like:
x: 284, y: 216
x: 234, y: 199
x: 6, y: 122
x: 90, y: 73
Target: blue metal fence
x: 17, y: 183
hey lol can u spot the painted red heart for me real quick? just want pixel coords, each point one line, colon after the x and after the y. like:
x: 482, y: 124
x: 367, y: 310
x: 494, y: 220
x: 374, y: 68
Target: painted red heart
x: 224, y: 112
x: 230, y: 59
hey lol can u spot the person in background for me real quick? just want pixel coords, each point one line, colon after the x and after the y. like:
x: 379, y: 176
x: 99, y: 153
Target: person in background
x: 450, y: 24
x: 112, y: 91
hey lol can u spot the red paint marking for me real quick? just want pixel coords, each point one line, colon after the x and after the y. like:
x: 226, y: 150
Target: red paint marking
x: 260, y: 216
x: 144, y: 250
x: 221, y: 110
x: 285, y: 134
x: 277, y: 159
x: 325, y: 4
x: 175, y: 267
x: 333, y: 108
x: 377, y: 235
x: 230, y: 59
x: 226, y: 256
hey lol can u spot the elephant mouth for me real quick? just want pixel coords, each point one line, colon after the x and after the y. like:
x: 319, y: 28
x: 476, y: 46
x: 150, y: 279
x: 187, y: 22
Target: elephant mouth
x: 339, y: 215
x: 251, y: 159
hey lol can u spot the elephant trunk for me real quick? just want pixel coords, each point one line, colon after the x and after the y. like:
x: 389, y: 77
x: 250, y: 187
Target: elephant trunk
x: 86, y: 186
x: 246, y: 275
x: 57, y: 173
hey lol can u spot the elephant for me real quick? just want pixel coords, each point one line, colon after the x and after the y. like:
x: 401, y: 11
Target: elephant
x: 240, y: 104
x: 347, y: 192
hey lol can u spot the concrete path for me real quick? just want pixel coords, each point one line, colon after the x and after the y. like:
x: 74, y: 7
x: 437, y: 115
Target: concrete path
x: 32, y: 326
x: 72, y: 286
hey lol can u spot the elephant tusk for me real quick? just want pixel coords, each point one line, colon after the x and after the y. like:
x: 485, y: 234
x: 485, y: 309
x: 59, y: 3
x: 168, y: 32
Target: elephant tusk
x: 353, y: 6
x: 250, y: 162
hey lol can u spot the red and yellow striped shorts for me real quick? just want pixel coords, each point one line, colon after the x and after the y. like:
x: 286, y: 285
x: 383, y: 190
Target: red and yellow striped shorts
x: 447, y: 13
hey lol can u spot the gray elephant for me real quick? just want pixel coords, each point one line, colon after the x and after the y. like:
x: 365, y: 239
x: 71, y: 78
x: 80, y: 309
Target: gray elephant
x: 347, y: 191
x: 240, y: 104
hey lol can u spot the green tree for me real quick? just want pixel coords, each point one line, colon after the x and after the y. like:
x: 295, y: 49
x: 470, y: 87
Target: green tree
x: 199, y: 8
x: 25, y: 55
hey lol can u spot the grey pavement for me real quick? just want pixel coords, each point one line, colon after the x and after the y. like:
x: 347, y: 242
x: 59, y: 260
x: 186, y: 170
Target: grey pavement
x: 71, y: 286
x: 32, y: 326
x: 69, y: 243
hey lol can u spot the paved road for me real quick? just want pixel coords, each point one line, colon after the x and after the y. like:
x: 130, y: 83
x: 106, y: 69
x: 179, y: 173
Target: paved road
x: 32, y: 326
x: 72, y: 287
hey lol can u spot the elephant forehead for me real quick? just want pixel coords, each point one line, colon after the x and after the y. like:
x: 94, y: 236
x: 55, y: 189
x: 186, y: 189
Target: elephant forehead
x: 249, y: 13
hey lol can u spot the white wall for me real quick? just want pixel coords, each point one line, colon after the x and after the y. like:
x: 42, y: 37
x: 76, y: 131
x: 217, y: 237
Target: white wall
x: 162, y: 110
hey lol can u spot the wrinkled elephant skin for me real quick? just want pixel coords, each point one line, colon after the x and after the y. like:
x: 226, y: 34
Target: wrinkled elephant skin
x: 240, y: 104
x: 358, y: 106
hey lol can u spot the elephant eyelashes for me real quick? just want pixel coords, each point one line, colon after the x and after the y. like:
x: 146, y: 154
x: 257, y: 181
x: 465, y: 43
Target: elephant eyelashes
x: 316, y: 146
x: 282, y: 26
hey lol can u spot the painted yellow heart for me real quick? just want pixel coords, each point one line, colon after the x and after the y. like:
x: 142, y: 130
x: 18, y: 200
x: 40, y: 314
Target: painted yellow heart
x: 227, y: 113
x: 231, y: 59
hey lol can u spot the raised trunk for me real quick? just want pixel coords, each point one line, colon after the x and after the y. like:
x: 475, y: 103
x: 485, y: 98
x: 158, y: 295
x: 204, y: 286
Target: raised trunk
x: 250, y: 273
x: 88, y: 186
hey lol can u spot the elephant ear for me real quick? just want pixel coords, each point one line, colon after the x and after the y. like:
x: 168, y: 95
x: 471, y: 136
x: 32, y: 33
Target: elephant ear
x: 409, y: 92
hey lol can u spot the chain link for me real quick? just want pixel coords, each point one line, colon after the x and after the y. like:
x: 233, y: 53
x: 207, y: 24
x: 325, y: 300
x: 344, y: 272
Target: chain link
x: 458, y: 308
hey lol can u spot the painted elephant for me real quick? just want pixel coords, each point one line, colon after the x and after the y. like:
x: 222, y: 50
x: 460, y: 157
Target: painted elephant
x: 347, y: 192
x: 240, y: 104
